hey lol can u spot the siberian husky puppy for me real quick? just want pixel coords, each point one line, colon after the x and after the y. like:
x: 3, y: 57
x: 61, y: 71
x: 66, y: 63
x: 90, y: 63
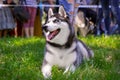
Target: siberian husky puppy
x: 62, y: 48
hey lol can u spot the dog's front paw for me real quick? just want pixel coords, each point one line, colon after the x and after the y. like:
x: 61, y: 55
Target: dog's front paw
x: 47, y: 74
x: 70, y: 68
x: 46, y: 71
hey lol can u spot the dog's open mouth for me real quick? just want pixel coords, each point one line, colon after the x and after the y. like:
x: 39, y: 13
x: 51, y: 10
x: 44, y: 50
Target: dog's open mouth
x: 52, y: 34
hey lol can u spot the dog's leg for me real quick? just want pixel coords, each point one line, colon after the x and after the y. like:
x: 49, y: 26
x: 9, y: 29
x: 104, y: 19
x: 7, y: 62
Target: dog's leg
x: 46, y: 70
x: 76, y: 30
x: 70, y: 68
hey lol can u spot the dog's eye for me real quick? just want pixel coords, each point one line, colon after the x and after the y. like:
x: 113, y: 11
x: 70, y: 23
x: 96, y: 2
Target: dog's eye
x: 56, y: 21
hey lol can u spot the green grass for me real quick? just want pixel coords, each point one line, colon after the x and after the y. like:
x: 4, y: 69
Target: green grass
x: 21, y: 59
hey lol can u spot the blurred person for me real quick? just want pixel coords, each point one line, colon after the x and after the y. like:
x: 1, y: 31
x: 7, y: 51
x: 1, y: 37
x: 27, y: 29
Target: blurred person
x: 45, y: 9
x: 71, y: 7
x: 19, y: 28
x: 106, y: 14
x: 29, y: 25
x: 7, y: 22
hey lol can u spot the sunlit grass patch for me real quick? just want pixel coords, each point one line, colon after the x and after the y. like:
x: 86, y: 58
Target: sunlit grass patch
x: 21, y: 59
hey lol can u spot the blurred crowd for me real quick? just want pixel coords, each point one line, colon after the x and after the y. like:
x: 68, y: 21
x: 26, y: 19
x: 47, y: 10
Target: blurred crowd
x: 105, y: 19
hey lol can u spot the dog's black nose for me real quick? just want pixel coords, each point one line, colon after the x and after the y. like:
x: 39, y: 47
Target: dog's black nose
x: 44, y: 27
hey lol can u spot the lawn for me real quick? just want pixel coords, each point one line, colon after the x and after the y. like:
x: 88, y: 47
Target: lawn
x: 21, y: 59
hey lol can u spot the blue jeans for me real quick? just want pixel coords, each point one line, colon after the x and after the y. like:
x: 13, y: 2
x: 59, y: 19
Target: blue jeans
x: 67, y: 6
x: 106, y: 12
x: 115, y: 10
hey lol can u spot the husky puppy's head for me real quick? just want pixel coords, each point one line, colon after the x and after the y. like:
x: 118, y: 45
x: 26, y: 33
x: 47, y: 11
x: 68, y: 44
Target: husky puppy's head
x: 57, y: 28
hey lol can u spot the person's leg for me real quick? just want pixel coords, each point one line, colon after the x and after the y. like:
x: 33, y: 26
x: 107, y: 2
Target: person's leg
x: 26, y: 29
x: 31, y: 31
x: 33, y: 16
x: 15, y: 32
x: 99, y: 19
x: 0, y: 33
x: 106, y: 11
x: 67, y: 6
x: 116, y: 13
x: 19, y: 28
x: 5, y: 33
x: 27, y: 25
x: 71, y: 7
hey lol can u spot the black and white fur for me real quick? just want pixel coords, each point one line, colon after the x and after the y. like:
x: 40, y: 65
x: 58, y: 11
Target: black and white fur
x: 62, y: 48
x: 84, y: 24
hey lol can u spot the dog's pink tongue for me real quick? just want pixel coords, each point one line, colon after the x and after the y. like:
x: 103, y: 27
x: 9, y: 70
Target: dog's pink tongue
x: 52, y: 34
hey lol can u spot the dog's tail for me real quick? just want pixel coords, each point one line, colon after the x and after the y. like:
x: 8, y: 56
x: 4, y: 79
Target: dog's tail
x: 85, y: 51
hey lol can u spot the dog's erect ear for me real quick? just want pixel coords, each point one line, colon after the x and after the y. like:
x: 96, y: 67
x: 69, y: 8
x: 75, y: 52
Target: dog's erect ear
x: 50, y: 12
x: 62, y: 11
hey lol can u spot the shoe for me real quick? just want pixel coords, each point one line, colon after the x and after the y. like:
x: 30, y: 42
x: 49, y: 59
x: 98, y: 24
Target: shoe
x: 117, y: 30
x: 114, y: 29
x: 106, y: 34
x: 98, y: 33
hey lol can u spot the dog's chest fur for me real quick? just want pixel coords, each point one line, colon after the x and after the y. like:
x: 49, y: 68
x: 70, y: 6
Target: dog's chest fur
x: 62, y: 57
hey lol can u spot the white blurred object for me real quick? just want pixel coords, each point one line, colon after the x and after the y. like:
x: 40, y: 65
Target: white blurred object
x: 0, y: 5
